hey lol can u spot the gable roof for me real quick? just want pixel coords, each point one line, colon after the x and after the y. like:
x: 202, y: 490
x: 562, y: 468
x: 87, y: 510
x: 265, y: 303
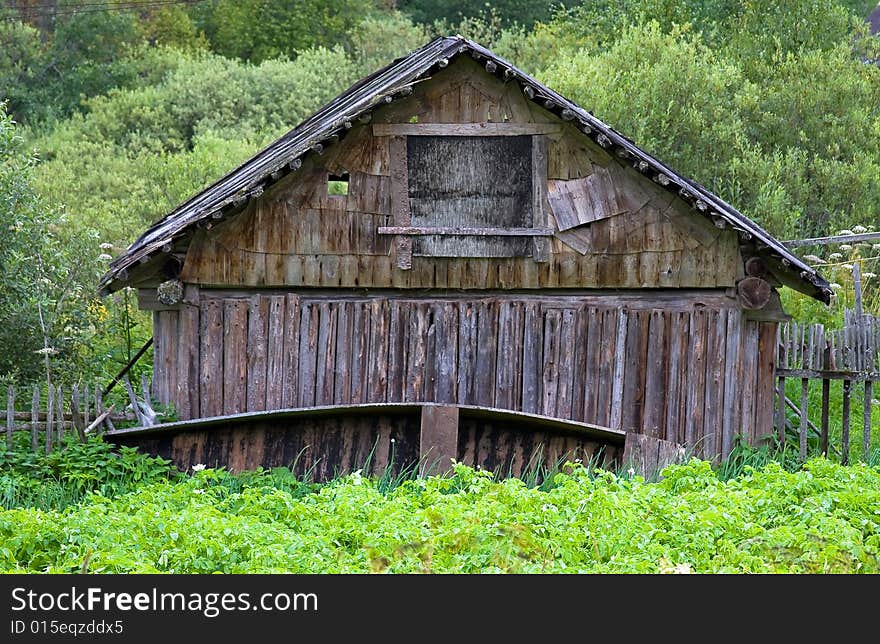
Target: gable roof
x: 395, y: 81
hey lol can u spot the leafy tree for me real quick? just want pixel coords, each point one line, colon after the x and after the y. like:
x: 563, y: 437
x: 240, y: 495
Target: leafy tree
x: 522, y: 12
x: 257, y: 30
x: 46, y: 274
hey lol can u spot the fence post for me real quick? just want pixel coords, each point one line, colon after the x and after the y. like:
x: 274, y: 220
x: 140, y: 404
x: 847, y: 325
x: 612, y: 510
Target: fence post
x: 10, y: 416
x: 844, y: 434
x: 781, y: 362
x: 826, y: 399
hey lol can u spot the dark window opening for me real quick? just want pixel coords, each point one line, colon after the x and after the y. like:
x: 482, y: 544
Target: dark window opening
x: 337, y: 184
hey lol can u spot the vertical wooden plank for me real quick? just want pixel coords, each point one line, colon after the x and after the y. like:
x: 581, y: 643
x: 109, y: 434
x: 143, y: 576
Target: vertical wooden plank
x: 308, y: 353
x: 541, y: 245
x: 844, y: 434
x: 592, y: 359
x: 695, y: 429
x: 400, y: 211
x: 533, y: 342
x: 617, y: 349
x: 766, y: 362
x: 235, y: 328
x: 678, y: 338
x: 35, y: 417
x: 211, y: 358
x: 567, y: 349
x: 579, y: 363
x: 656, y: 384
x: 748, y: 377
x: 360, y: 349
x: 633, y: 405
x: 275, y: 353
x: 257, y: 350
x: 446, y: 357
x: 186, y: 398
x: 866, y: 420
x: 397, y: 349
x: 326, y: 353
x: 378, y: 351
x: 342, y: 370
x: 438, y: 439
x: 805, y: 388
x: 468, y: 314
x: 417, y: 336
x: 159, y: 378
x: 10, y: 416
x: 551, y: 358
x: 732, y: 406
x: 487, y: 347
x: 505, y: 367
x: 290, y: 361
x: 715, y: 385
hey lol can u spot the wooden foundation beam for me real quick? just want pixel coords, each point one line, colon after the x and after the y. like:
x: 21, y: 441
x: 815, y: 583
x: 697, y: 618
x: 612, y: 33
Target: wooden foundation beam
x: 438, y: 441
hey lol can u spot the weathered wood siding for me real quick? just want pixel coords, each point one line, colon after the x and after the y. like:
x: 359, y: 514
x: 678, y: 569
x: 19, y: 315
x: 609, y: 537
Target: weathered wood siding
x: 614, y: 227
x: 689, y: 368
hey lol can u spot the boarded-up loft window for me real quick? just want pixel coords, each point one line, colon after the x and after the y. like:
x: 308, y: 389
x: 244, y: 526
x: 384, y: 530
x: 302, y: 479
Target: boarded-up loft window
x: 479, y: 182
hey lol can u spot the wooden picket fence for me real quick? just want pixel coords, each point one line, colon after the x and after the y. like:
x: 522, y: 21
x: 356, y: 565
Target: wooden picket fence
x: 811, y: 352
x: 50, y: 412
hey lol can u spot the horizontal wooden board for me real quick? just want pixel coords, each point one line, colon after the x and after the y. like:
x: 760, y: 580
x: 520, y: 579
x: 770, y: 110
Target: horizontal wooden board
x: 464, y: 129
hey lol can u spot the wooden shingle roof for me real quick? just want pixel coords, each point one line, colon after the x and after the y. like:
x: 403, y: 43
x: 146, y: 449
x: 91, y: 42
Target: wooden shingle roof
x: 394, y: 81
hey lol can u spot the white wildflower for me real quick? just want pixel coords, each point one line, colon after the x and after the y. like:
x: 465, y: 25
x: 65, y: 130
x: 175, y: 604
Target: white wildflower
x: 846, y: 266
x: 814, y: 259
x: 835, y: 256
x: 104, y: 257
x: 631, y: 472
x: 199, y: 467
x: 47, y: 351
x: 859, y: 229
x: 868, y: 275
x: 106, y: 246
x: 874, y: 401
x: 875, y: 246
x: 392, y: 440
x: 835, y: 286
x: 198, y: 491
x: 845, y: 247
x: 845, y: 232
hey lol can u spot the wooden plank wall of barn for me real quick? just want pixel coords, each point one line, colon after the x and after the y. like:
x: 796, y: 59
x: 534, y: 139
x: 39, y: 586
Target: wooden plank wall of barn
x: 297, y: 235
x: 691, y: 374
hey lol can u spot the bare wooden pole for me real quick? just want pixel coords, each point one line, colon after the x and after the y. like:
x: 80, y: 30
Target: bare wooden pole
x: 134, y: 402
x: 86, y: 410
x: 826, y: 399
x: 844, y: 436
x: 78, y: 423
x: 50, y: 402
x: 99, y: 408
x: 35, y: 414
x: 10, y: 416
x: 866, y: 420
x: 805, y: 385
x: 780, y: 409
x: 59, y: 403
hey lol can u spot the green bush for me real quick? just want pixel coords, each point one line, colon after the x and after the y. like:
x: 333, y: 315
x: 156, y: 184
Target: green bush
x: 822, y: 518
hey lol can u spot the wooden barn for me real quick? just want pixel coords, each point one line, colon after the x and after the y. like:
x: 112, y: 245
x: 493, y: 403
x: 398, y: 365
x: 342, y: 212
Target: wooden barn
x: 451, y: 258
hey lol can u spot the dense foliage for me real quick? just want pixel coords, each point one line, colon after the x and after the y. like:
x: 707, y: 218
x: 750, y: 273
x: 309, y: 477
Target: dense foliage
x: 821, y: 518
